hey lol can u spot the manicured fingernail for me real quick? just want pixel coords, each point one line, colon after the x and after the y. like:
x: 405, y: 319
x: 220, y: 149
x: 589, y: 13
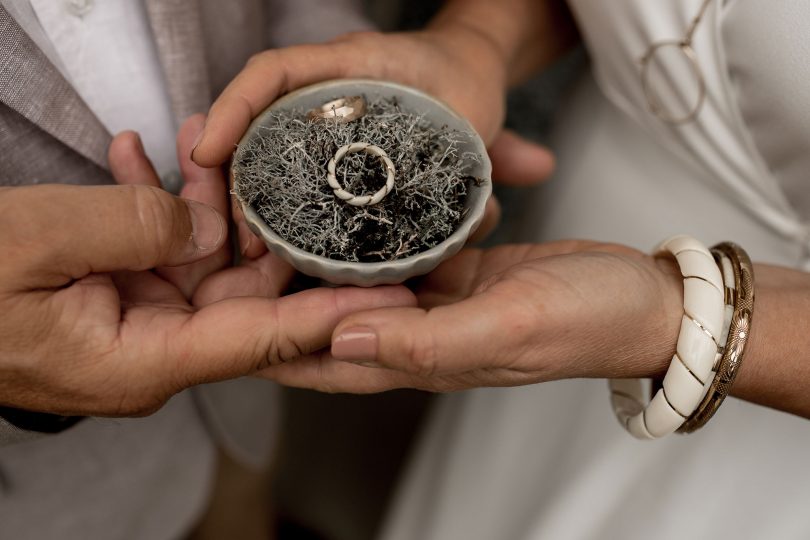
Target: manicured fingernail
x: 207, y: 226
x: 358, y: 344
x: 197, y: 142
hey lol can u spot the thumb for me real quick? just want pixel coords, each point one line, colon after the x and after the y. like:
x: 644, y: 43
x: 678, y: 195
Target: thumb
x: 442, y: 341
x: 66, y: 232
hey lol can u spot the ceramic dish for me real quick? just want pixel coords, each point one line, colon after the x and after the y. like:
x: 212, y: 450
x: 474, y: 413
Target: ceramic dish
x: 377, y: 273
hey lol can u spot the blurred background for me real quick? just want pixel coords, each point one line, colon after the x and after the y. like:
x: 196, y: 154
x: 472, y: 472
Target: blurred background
x: 340, y: 456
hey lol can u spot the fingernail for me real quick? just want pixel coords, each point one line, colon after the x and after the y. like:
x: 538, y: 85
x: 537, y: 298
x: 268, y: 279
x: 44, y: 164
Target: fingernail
x: 245, y: 236
x: 207, y: 226
x: 358, y: 344
x: 369, y: 364
x: 197, y: 142
x: 139, y: 144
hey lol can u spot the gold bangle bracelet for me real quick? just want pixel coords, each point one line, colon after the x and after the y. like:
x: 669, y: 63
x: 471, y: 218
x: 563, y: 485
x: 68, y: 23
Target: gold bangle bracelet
x: 738, y: 334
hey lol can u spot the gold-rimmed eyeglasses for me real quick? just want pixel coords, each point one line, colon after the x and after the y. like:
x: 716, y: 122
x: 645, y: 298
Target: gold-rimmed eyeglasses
x: 671, y: 77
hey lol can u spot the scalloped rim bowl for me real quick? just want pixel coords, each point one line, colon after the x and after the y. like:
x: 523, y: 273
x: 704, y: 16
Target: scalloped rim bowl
x: 389, y: 272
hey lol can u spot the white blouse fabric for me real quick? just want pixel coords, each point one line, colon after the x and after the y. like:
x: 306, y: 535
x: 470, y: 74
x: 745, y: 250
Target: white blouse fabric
x: 753, y: 57
x: 550, y: 461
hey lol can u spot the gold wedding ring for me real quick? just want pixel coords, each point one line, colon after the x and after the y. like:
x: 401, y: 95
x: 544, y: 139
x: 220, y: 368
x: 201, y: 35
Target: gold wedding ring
x: 345, y: 109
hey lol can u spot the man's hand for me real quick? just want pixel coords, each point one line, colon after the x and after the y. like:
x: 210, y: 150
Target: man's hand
x: 88, y: 329
x: 130, y: 166
x: 461, y: 68
x: 512, y: 315
x: 210, y: 279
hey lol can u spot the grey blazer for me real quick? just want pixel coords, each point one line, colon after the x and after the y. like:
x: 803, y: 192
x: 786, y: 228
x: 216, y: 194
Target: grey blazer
x: 85, y: 480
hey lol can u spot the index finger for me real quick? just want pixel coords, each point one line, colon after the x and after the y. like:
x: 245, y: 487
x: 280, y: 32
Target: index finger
x: 239, y: 336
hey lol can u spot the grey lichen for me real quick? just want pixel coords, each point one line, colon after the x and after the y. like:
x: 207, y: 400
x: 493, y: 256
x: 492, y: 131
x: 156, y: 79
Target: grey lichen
x: 282, y: 175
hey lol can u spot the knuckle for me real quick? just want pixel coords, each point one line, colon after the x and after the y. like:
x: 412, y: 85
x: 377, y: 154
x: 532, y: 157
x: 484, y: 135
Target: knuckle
x: 324, y: 383
x: 283, y: 349
x: 158, y: 218
x: 259, y: 355
x: 279, y: 347
x: 423, y: 357
x: 260, y: 57
x: 271, y: 351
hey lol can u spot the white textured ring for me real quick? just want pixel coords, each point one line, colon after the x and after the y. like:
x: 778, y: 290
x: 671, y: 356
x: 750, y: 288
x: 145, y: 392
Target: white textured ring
x: 351, y: 198
x: 688, y: 376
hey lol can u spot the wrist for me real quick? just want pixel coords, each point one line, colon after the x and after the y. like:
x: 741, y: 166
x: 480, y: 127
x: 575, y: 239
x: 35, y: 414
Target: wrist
x: 639, y: 336
x: 669, y: 316
x: 646, y: 348
x: 633, y: 332
x: 527, y: 34
x: 473, y: 47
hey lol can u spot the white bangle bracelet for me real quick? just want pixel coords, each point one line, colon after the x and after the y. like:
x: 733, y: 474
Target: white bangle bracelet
x: 696, y: 355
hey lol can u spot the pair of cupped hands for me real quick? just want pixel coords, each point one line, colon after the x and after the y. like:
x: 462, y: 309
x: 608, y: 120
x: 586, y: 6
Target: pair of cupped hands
x: 115, y: 298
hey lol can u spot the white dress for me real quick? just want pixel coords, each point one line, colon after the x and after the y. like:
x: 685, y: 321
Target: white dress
x: 550, y: 461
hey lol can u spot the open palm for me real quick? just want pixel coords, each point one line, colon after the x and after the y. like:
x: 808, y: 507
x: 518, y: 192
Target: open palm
x: 511, y: 315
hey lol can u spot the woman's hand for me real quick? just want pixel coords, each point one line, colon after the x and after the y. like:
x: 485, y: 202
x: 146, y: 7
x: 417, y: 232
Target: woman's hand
x: 511, y: 315
x: 454, y: 63
x: 468, y: 55
x: 518, y: 315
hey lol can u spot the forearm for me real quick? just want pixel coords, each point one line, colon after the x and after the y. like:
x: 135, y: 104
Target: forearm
x: 776, y: 367
x: 528, y: 34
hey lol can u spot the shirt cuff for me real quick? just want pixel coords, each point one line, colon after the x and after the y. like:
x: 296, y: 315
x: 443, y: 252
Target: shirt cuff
x: 18, y: 425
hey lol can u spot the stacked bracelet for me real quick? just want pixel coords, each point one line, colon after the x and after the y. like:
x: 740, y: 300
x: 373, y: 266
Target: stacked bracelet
x: 697, y: 350
x: 717, y: 310
x: 741, y: 286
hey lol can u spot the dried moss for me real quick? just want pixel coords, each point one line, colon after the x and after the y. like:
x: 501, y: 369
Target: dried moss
x: 282, y: 175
